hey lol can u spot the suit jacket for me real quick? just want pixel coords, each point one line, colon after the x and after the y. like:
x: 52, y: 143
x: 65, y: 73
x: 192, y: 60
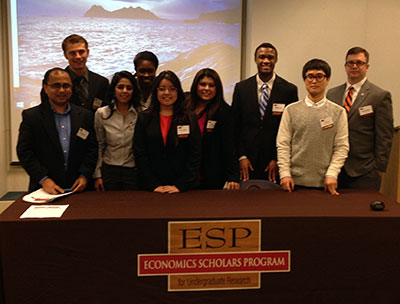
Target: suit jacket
x: 177, y: 163
x: 39, y: 149
x: 370, y: 137
x: 98, y: 87
x: 219, y: 158
x: 256, y: 138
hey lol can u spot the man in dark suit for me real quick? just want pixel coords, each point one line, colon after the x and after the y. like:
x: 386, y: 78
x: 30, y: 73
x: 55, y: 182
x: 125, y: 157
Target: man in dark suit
x: 57, y: 145
x: 370, y: 119
x: 258, y: 104
x: 89, y: 88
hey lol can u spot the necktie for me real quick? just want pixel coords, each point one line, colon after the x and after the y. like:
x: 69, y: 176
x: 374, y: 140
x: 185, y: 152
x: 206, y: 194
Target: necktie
x: 80, y: 92
x: 348, y: 101
x: 263, y: 100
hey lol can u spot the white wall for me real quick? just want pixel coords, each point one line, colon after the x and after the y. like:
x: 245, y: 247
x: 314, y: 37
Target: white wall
x: 302, y: 30
x: 11, y: 178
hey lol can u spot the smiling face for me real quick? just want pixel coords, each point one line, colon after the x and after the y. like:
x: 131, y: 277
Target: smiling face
x: 77, y: 54
x: 356, y: 67
x: 265, y: 59
x: 123, y: 91
x: 206, y: 89
x: 146, y: 72
x: 316, y: 82
x: 58, y: 88
x: 167, y: 94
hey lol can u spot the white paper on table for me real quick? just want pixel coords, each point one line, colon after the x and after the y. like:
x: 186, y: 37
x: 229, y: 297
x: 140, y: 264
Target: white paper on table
x: 40, y: 196
x: 44, y: 211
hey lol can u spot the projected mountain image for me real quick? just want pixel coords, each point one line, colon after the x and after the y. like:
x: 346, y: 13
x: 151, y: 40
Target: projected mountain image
x: 116, y: 34
x: 97, y: 11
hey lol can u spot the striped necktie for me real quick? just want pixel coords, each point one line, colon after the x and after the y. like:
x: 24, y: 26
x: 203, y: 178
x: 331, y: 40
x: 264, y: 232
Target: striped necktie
x: 263, y: 100
x: 348, y: 101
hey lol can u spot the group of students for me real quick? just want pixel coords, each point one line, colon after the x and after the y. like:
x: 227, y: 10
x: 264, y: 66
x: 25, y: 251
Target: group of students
x: 180, y: 142
x: 149, y: 134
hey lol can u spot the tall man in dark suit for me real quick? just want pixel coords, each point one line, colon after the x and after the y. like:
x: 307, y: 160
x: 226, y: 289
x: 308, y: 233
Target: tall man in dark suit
x: 258, y: 104
x: 57, y: 145
x: 370, y: 118
x: 89, y: 88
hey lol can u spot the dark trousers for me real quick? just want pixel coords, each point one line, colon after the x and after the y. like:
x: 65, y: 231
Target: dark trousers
x: 119, y: 178
x: 369, y: 180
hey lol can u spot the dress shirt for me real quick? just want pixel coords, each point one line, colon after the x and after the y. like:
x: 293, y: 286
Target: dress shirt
x: 63, y: 124
x: 143, y: 104
x: 115, y: 138
x: 260, y: 84
x: 310, y: 103
x: 356, y: 89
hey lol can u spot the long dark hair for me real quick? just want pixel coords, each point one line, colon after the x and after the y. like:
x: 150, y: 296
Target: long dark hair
x: 180, y: 113
x: 216, y: 102
x: 135, y: 99
x: 179, y: 108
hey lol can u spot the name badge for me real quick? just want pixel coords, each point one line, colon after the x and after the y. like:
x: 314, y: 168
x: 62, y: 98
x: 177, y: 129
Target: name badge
x: 82, y: 133
x: 183, y: 131
x: 211, y: 125
x: 97, y: 103
x: 277, y: 108
x: 366, y: 111
x: 326, y: 123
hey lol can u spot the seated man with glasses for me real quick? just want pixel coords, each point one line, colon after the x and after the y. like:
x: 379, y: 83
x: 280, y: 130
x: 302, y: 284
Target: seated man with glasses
x: 370, y: 118
x: 312, y: 140
x: 57, y: 145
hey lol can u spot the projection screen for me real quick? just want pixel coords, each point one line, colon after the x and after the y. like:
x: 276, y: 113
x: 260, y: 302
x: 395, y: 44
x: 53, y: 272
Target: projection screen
x: 186, y: 36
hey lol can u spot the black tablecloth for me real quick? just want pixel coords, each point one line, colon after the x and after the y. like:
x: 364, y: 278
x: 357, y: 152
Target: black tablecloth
x: 341, y: 251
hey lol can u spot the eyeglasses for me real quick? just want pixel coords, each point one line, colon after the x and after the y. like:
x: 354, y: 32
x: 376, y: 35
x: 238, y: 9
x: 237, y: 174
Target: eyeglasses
x: 171, y: 89
x: 350, y: 64
x: 57, y: 86
x: 318, y: 77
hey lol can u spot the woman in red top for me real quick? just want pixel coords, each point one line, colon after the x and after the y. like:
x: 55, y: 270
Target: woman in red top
x: 219, y: 163
x: 167, y: 141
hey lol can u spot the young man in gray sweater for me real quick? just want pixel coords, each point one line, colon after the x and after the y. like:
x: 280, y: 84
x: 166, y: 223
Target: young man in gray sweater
x: 312, y: 139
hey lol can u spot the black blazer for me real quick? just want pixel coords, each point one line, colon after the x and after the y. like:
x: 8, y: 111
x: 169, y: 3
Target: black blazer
x: 98, y: 87
x: 219, y: 159
x: 256, y: 138
x: 39, y: 149
x: 177, y: 163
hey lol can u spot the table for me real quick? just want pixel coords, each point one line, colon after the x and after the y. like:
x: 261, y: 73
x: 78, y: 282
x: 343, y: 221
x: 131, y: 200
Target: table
x: 341, y: 251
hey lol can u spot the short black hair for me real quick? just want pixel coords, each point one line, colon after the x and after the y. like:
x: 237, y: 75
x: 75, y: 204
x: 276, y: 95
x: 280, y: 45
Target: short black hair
x: 48, y: 72
x: 357, y: 50
x: 43, y: 96
x: 317, y: 64
x: 266, y: 45
x: 145, y: 55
